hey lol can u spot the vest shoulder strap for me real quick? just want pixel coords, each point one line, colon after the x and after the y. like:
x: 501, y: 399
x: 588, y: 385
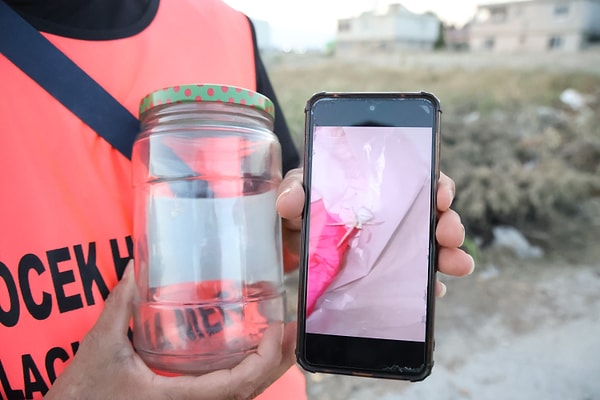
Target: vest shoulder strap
x: 31, y: 52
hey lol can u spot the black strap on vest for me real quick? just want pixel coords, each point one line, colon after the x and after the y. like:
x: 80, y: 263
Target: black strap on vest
x: 32, y: 53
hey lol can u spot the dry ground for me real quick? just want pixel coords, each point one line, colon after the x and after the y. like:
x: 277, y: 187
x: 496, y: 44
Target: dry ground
x: 520, y: 331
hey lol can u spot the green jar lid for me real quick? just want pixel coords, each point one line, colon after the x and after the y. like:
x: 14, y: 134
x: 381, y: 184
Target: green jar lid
x: 208, y: 92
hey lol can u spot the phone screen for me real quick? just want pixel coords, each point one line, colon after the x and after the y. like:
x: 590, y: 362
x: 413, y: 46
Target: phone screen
x: 368, y: 254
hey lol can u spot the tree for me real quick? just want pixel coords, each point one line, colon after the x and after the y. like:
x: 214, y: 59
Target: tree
x: 440, y: 42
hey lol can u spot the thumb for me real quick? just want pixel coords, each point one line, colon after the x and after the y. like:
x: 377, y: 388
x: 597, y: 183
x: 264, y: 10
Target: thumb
x: 290, y: 198
x: 117, y: 311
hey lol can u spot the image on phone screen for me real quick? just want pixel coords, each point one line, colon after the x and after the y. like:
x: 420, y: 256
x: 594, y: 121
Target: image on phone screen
x: 368, y: 240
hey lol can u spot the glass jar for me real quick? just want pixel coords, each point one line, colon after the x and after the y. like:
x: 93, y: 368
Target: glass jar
x: 207, y: 238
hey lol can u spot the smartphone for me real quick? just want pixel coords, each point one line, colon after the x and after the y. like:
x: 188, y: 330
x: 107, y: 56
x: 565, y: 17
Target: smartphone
x: 368, y: 252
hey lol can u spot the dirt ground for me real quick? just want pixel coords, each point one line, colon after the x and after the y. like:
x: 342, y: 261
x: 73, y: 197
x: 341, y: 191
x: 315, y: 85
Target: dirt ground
x: 523, y: 330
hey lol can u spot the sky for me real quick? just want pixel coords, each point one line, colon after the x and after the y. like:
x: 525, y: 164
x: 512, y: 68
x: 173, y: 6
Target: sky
x: 312, y: 23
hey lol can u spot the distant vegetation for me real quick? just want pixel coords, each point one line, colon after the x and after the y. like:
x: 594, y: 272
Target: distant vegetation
x: 519, y: 155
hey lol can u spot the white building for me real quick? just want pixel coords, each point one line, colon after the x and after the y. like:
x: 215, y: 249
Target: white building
x: 536, y: 25
x: 396, y: 29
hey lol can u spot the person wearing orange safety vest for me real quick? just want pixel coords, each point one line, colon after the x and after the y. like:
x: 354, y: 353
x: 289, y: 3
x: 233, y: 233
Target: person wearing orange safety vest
x: 66, y: 284
x: 66, y: 215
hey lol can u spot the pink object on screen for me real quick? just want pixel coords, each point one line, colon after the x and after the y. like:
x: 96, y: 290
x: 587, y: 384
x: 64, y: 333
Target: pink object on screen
x: 326, y: 251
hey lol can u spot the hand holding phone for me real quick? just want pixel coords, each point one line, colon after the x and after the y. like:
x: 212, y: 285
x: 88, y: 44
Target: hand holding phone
x: 367, y: 275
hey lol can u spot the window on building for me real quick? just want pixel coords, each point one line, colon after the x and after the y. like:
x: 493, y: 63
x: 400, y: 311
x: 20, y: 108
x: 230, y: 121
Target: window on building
x: 498, y: 14
x: 489, y: 43
x: 561, y: 10
x: 592, y: 39
x: 343, y: 25
x: 555, y: 42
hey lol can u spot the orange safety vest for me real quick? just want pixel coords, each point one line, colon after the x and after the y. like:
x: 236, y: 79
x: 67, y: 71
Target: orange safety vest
x: 66, y: 208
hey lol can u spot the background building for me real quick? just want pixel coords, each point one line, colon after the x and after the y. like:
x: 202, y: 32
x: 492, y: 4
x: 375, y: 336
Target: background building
x: 396, y: 29
x: 536, y: 25
x: 457, y: 38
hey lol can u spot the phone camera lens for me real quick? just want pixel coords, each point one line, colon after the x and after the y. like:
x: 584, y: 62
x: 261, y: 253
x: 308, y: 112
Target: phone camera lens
x: 372, y: 108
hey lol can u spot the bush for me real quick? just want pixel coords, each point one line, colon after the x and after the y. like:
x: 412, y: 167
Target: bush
x: 535, y: 169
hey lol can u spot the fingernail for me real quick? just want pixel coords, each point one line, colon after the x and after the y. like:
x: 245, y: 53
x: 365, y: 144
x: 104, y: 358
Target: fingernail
x: 443, y: 290
x: 472, y: 265
x: 451, y: 193
x: 282, y: 195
